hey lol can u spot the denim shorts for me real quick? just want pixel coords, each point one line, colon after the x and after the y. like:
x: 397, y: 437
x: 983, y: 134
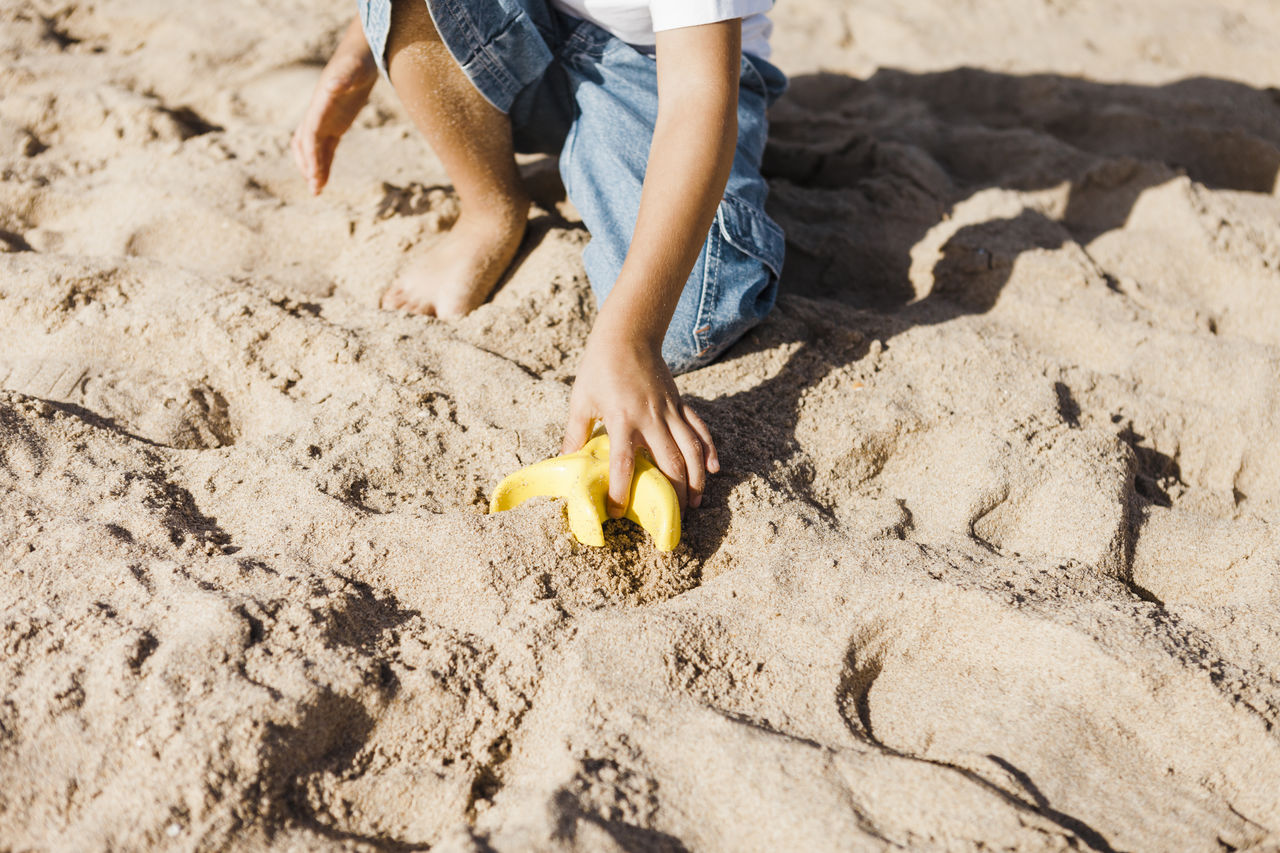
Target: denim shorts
x: 574, y: 90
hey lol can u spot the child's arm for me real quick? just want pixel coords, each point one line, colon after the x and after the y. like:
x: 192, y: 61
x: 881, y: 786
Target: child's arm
x: 623, y: 380
x: 340, y: 94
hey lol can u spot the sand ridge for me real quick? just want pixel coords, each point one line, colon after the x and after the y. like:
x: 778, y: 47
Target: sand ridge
x: 994, y: 559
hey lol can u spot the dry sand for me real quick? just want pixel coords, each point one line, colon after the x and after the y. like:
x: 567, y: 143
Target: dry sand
x: 994, y: 560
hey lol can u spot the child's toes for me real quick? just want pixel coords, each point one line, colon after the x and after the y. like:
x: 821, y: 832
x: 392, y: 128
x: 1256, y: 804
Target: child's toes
x: 426, y: 309
x: 450, y: 310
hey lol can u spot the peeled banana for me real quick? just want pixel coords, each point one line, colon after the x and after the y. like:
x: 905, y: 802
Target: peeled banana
x: 582, y: 479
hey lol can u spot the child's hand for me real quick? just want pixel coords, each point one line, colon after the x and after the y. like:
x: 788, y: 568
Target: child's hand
x: 625, y: 383
x: 343, y: 90
x: 623, y: 380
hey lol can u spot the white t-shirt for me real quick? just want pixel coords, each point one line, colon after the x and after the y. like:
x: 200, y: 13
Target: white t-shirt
x: 635, y: 21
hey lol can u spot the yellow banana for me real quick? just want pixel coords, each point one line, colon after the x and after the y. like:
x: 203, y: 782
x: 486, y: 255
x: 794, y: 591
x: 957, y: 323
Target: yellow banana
x: 582, y: 479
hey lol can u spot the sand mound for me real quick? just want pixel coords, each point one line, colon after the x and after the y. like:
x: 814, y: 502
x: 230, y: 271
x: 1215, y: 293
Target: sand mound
x: 994, y: 559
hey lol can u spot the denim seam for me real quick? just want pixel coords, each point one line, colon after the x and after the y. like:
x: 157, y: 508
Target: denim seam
x: 583, y: 43
x: 750, y: 68
x: 566, y: 155
x: 711, y: 269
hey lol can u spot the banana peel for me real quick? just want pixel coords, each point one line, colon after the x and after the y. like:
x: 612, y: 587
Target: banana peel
x: 582, y: 479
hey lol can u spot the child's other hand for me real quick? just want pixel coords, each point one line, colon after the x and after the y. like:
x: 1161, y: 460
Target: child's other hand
x: 340, y: 94
x: 626, y: 384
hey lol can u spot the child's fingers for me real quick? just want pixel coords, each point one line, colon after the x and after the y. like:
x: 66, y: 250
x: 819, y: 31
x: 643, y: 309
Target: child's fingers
x: 577, y: 432
x: 712, y: 460
x: 622, y: 463
x: 305, y: 155
x: 670, y: 461
x: 694, y: 458
x: 295, y: 145
x: 324, y: 151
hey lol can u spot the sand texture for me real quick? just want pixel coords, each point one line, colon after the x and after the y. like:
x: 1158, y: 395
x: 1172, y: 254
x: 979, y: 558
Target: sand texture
x: 993, y: 562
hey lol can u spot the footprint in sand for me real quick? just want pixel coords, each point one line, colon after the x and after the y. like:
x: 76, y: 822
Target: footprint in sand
x: 163, y: 410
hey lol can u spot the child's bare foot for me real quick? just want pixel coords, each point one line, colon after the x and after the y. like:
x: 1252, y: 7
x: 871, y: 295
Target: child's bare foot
x: 456, y: 275
x: 473, y: 140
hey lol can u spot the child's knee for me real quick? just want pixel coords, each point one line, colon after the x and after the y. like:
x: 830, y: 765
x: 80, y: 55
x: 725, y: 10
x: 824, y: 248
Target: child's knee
x: 696, y: 341
x: 733, y: 286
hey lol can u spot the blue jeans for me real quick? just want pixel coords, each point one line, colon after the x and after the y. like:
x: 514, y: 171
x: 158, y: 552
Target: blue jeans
x: 573, y: 89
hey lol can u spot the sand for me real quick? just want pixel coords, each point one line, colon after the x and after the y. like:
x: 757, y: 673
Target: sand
x: 993, y: 562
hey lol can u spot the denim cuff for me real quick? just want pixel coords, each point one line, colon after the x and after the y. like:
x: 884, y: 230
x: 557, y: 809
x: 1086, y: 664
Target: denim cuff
x: 497, y: 45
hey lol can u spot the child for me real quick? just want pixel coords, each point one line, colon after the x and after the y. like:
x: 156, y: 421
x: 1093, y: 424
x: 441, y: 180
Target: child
x: 656, y: 109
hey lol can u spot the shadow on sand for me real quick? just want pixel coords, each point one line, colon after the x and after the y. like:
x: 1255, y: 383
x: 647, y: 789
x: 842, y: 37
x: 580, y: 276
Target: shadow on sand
x: 862, y: 170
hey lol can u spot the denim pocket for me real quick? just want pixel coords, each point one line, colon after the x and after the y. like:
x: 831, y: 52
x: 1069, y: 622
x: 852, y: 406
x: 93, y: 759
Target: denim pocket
x: 744, y: 257
x: 763, y: 77
x: 750, y: 230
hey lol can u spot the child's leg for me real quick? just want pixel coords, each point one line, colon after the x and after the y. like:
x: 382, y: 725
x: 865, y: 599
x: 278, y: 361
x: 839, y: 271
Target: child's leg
x: 472, y: 138
x: 734, y: 282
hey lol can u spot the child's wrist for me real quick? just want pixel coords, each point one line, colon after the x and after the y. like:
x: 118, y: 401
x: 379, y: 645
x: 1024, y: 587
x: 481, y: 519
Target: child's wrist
x: 351, y: 71
x: 640, y: 305
x: 627, y: 325
x: 352, y: 61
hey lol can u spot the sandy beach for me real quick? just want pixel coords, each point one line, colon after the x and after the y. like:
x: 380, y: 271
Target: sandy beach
x: 993, y: 561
